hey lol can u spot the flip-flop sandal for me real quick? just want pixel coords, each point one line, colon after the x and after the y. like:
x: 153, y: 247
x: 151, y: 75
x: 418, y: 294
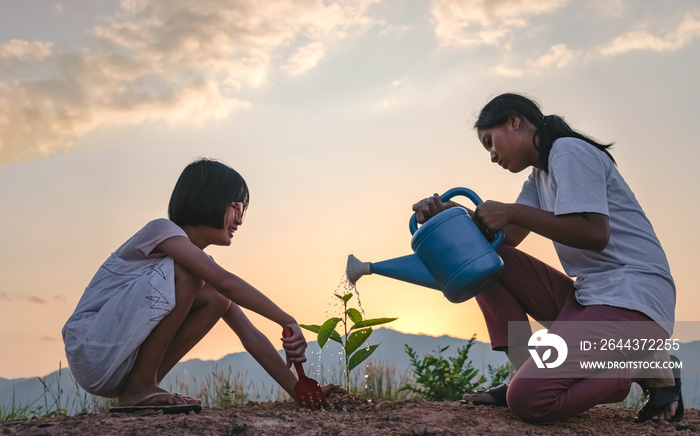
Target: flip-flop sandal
x: 139, y: 406
x: 188, y: 400
x: 498, y: 393
x: 658, y: 398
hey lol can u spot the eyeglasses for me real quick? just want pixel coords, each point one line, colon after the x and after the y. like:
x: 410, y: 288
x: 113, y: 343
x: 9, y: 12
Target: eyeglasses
x: 240, y: 210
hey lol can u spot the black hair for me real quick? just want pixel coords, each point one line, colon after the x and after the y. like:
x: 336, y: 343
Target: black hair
x: 204, y: 192
x: 547, y: 128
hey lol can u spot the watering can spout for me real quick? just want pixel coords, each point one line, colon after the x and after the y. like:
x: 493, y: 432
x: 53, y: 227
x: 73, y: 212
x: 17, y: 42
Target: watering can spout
x: 406, y: 268
x: 356, y: 269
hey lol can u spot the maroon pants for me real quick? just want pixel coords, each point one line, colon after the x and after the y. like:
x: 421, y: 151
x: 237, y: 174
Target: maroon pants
x: 528, y: 286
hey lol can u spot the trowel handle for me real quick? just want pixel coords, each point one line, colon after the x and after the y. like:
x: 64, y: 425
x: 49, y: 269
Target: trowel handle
x: 413, y: 222
x: 287, y: 333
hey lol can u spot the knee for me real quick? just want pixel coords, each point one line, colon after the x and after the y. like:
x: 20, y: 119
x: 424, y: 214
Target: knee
x: 524, y: 402
x: 540, y: 401
x: 189, y: 287
x: 214, y: 301
x: 186, y: 281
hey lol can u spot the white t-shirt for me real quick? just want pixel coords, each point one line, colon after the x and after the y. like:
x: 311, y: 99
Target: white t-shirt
x: 130, y: 294
x: 632, y: 272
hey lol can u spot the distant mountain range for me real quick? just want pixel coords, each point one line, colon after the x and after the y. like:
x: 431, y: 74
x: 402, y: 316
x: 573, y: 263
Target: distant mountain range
x: 326, y: 367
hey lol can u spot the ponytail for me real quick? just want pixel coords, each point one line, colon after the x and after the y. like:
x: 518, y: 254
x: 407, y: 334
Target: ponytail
x: 547, y: 128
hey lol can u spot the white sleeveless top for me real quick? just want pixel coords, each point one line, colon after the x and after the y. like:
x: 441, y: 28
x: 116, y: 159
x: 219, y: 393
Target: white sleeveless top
x: 128, y: 296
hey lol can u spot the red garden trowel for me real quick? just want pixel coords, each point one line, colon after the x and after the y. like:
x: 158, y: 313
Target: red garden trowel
x: 307, y: 391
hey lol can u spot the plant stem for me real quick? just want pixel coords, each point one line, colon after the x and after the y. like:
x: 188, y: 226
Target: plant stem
x: 345, y: 347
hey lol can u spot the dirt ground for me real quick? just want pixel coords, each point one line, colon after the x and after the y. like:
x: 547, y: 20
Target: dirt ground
x: 350, y: 416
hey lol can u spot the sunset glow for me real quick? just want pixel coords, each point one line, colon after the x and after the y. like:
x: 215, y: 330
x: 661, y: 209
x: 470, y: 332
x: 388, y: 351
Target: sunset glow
x: 339, y: 115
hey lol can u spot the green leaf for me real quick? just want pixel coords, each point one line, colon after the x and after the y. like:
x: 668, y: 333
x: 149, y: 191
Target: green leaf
x: 313, y: 327
x: 326, y: 331
x: 345, y: 297
x: 371, y: 322
x: 360, y: 356
x: 336, y: 337
x: 354, y: 315
x: 356, y: 339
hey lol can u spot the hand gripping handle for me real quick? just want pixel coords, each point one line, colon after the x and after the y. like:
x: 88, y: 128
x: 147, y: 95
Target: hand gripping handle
x: 413, y: 222
x: 287, y: 333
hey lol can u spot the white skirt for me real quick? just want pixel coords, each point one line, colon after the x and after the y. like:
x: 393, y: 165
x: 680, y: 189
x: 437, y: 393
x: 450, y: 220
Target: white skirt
x: 119, y: 309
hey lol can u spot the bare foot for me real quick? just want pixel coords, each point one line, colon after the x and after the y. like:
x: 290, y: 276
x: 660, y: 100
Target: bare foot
x: 188, y: 400
x: 153, y: 396
x: 480, y: 397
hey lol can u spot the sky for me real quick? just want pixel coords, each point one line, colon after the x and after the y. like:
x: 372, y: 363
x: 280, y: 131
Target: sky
x: 339, y: 115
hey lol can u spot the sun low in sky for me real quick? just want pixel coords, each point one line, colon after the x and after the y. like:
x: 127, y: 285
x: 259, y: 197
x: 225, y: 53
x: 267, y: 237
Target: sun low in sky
x: 339, y: 114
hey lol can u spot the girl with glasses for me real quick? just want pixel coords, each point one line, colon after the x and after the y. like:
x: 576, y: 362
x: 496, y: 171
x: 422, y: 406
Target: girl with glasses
x: 159, y: 294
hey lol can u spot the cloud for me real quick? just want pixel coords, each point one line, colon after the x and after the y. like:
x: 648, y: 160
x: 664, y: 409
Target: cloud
x: 304, y: 59
x: 558, y: 56
x: 171, y: 61
x: 688, y: 29
x: 17, y: 48
x: 14, y: 297
x: 607, y: 9
x: 505, y: 71
x: 395, y: 95
x: 9, y: 296
x: 484, y: 22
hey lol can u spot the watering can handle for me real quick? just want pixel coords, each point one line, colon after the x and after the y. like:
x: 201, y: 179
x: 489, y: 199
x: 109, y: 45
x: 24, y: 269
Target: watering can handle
x: 413, y: 223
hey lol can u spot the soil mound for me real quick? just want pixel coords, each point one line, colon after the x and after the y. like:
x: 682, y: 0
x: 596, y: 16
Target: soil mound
x: 351, y: 416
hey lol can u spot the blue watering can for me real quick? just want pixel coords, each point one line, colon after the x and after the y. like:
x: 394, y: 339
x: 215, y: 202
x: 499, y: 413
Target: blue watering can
x: 451, y: 254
